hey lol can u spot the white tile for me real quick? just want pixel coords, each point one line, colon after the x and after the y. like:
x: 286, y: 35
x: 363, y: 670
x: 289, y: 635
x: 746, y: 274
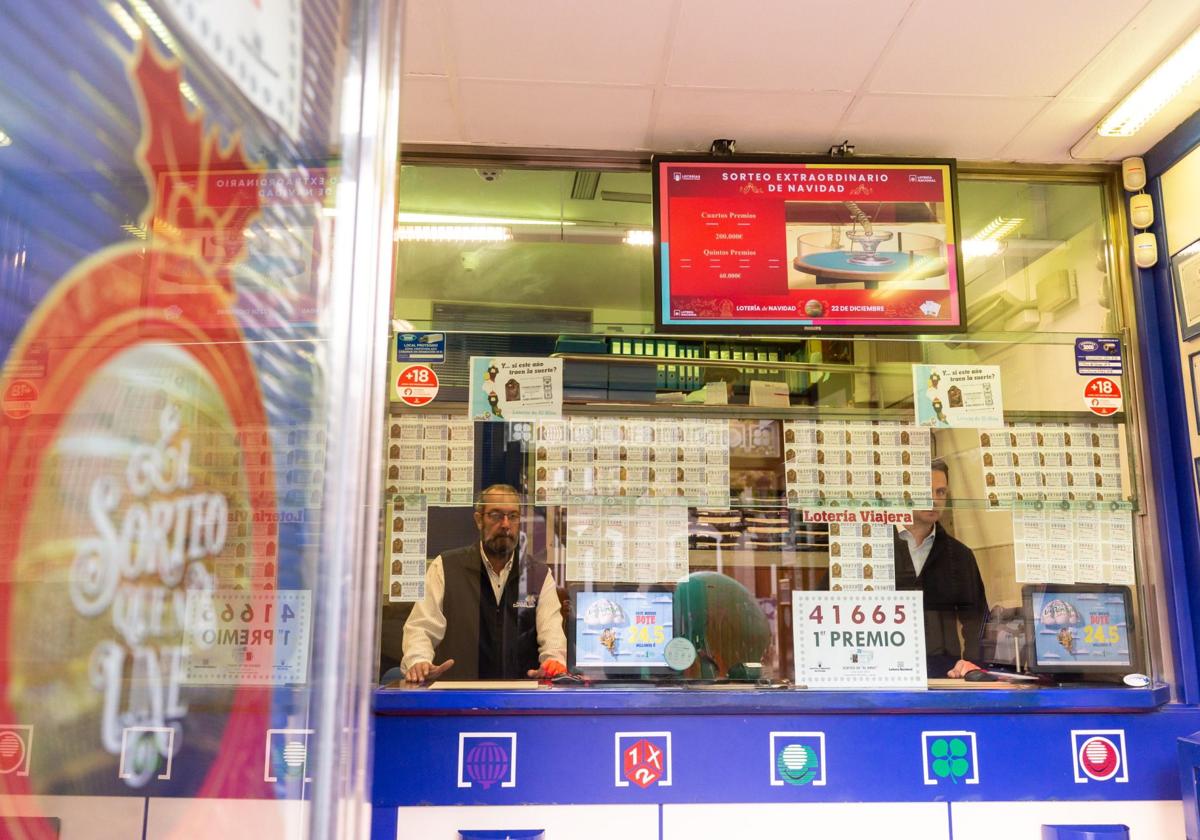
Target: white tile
x: 619, y: 41
x: 427, y: 112
x: 1136, y: 50
x: 810, y: 45
x: 555, y: 115
x: 94, y: 817
x: 227, y: 819
x: 775, y: 821
x: 1015, y: 48
x: 972, y: 128
x: 1006, y: 820
x: 579, y: 822
x: 424, y: 39
x: 760, y: 121
x: 1049, y: 136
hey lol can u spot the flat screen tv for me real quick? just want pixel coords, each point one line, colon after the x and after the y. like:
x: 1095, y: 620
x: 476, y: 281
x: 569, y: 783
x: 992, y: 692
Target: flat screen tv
x: 751, y: 244
x: 1080, y: 629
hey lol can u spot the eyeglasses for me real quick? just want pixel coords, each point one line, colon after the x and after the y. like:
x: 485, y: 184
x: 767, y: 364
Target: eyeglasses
x: 497, y: 516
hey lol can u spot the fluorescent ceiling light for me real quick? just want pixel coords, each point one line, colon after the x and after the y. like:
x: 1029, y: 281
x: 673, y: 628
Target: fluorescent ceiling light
x: 639, y: 237
x: 1000, y: 227
x: 5, y: 140
x: 452, y: 233
x: 443, y: 219
x: 125, y: 20
x: 189, y: 93
x: 155, y: 23
x: 988, y: 241
x: 981, y: 248
x: 1162, y: 85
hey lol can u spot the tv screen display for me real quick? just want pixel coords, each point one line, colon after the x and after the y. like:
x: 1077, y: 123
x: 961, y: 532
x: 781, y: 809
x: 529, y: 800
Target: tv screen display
x: 621, y: 629
x: 1080, y: 629
x: 750, y: 244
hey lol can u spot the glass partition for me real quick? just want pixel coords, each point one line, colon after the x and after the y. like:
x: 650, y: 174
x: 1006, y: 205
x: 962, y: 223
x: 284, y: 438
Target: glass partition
x: 693, y: 486
x: 182, y: 512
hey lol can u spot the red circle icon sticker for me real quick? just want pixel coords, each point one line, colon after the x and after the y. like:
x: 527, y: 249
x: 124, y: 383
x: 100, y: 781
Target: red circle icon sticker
x: 1099, y: 759
x: 1102, y: 396
x: 19, y: 398
x: 417, y: 385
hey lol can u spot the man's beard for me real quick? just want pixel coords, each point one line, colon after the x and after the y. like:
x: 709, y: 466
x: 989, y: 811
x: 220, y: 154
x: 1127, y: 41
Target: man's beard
x: 500, y: 545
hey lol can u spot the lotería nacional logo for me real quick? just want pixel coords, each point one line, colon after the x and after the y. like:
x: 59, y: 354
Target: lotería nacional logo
x: 123, y: 485
x: 487, y: 759
x: 643, y: 759
x: 797, y: 758
x: 1099, y: 755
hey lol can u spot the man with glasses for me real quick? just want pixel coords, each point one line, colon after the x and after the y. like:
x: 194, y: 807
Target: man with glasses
x: 489, y: 612
x: 946, y: 572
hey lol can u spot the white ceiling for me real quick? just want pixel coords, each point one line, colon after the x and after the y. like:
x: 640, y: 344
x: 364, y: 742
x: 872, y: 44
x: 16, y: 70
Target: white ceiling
x: 1019, y: 80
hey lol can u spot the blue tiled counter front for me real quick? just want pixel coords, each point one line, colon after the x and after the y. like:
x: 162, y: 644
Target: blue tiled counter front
x: 567, y: 748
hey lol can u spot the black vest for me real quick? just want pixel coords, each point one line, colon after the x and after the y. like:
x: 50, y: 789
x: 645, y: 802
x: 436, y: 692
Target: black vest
x: 489, y: 640
x: 954, y: 598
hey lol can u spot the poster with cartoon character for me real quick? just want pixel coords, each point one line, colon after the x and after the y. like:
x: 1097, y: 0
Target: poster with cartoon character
x: 515, y: 388
x: 962, y: 396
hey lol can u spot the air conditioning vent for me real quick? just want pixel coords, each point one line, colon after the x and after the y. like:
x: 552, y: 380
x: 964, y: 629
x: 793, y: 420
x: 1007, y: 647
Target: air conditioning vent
x: 585, y: 184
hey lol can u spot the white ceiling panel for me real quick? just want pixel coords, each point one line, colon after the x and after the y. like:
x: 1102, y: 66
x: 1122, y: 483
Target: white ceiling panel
x: 621, y: 41
x: 1015, y: 48
x: 811, y: 45
x: 555, y: 115
x: 967, y: 79
x: 761, y: 121
x: 1046, y: 139
x: 424, y: 39
x: 952, y: 126
x: 1136, y: 50
x: 427, y: 112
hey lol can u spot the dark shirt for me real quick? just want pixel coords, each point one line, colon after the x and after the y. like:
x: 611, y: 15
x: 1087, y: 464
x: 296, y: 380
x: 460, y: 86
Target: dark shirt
x: 954, y: 597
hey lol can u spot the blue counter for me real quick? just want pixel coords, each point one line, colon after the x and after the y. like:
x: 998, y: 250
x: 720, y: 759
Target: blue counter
x: 915, y: 764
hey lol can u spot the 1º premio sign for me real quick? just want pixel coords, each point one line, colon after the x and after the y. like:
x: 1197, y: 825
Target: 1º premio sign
x: 863, y: 640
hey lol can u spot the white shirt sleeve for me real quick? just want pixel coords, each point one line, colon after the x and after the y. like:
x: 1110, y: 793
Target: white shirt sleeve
x: 426, y: 625
x: 552, y: 642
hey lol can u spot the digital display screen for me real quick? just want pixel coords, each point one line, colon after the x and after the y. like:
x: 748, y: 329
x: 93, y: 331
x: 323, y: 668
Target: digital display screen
x: 622, y: 629
x: 1076, y: 630
x: 796, y: 245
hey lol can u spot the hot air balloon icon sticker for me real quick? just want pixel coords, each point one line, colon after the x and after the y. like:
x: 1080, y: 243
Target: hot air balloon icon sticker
x: 797, y: 758
x: 487, y: 759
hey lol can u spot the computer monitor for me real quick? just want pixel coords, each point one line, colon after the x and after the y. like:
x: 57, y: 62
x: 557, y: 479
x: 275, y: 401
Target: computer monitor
x: 1080, y: 629
x: 621, y: 630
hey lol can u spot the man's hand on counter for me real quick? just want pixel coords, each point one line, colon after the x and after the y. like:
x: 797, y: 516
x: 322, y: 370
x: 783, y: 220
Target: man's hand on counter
x: 961, y: 668
x: 424, y: 672
x: 550, y: 668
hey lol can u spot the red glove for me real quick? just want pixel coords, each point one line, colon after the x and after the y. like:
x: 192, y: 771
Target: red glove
x: 553, y: 668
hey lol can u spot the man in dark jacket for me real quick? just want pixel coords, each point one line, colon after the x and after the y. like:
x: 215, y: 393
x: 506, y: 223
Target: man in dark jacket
x: 488, y: 613
x: 928, y: 559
